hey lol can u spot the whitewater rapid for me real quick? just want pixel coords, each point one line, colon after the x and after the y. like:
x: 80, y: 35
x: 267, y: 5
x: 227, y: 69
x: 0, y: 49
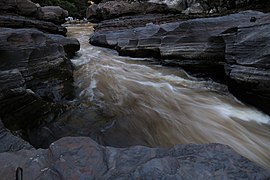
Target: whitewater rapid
x: 147, y: 104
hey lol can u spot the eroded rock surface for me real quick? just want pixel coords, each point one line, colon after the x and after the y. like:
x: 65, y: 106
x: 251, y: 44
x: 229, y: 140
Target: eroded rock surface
x: 36, y: 75
x: 192, y: 43
x: 236, y: 42
x: 248, y: 62
x: 38, y: 57
x: 82, y: 158
x: 21, y: 108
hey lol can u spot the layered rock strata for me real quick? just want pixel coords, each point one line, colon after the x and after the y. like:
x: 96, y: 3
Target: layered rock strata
x: 35, y: 71
x: 248, y: 62
x: 237, y: 43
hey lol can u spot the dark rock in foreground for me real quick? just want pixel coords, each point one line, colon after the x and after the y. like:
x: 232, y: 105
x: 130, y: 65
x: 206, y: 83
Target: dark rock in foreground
x: 11, y: 143
x: 82, y: 158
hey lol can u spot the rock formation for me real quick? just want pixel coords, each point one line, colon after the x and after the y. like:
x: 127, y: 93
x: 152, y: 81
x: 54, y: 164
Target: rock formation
x: 35, y: 72
x: 247, y: 55
x: 82, y: 158
x: 205, y: 46
x: 11, y: 143
x: 114, y: 9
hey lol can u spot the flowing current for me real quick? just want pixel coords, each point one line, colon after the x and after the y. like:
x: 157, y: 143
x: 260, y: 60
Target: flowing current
x: 147, y: 104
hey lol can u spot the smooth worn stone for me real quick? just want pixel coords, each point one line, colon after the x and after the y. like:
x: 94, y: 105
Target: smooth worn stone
x: 248, y: 62
x: 71, y: 45
x: 54, y: 14
x: 26, y: 14
x: 15, y: 21
x: 187, y: 43
x: 21, y: 7
x: 26, y: 7
x: 82, y: 158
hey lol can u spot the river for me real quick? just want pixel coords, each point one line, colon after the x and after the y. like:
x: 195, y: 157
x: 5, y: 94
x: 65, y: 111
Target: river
x: 146, y: 104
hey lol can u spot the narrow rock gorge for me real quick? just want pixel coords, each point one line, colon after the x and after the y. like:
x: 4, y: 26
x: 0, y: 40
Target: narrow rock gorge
x: 153, y: 90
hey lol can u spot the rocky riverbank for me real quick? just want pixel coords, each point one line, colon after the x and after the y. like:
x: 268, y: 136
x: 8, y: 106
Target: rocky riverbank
x: 231, y: 48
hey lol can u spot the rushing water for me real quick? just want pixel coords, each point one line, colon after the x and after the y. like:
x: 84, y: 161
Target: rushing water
x: 159, y: 107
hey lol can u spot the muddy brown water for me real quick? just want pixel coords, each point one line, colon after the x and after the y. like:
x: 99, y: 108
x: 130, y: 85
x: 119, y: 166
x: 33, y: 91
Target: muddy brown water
x: 160, y: 107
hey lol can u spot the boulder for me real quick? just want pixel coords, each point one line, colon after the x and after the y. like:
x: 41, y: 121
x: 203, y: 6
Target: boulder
x: 26, y: 7
x: 82, y: 158
x: 15, y: 21
x: 53, y: 14
x: 248, y: 61
x: 22, y: 7
x: 91, y: 12
x: 71, y: 45
x: 114, y: 9
x: 29, y: 9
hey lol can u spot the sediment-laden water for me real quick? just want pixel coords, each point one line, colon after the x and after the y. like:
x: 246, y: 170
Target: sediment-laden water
x: 147, y: 104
